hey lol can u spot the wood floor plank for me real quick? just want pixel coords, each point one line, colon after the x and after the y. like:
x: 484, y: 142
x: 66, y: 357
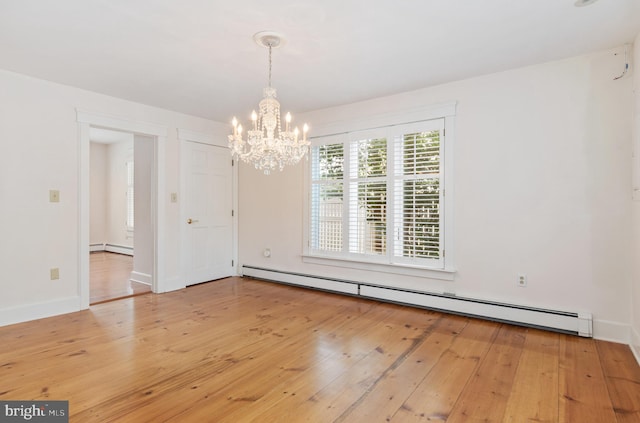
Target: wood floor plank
x: 434, y: 398
x: 485, y: 397
x: 150, y: 338
x: 392, y: 344
x: 534, y: 393
x: 622, y: 378
x: 225, y: 362
x: 583, y: 391
x: 241, y: 386
x: 358, y: 358
x: 240, y: 350
x: 391, y: 392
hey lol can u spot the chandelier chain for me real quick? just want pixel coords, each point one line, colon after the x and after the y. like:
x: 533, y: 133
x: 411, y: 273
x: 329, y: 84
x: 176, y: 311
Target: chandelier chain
x: 269, y: 65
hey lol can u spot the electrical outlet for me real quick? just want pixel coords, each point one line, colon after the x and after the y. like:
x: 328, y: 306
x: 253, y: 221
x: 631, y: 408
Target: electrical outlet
x: 174, y: 197
x: 267, y: 252
x: 522, y: 280
x: 55, y: 273
x: 54, y: 196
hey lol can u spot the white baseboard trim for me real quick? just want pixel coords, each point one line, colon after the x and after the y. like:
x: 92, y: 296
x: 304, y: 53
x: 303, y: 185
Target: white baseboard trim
x: 141, y: 278
x: 96, y: 247
x: 635, y: 344
x: 12, y: 315
x: 606, y: 330
x: 555, y: 320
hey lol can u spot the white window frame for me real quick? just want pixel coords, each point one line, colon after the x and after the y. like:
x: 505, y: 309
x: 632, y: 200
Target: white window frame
x: 339, y: 132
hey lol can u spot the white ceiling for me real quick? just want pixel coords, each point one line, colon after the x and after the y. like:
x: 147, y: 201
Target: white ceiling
x: 198, y: 56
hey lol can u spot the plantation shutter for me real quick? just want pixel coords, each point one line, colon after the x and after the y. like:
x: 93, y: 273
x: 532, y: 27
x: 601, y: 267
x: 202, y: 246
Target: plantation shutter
x: 368, y: 196
x: 377, y: 195
x: 418, y: 195
x: 327, y: 171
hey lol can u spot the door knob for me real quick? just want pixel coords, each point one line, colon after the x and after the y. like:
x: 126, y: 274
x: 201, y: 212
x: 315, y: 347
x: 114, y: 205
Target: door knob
x: 190, y: 221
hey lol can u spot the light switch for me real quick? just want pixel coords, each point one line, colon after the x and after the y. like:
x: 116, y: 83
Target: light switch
x: 54, y: 196
x: 55, y: 273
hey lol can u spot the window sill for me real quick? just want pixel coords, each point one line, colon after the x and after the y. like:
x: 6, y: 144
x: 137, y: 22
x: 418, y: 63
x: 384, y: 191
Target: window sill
x: 447, y: 274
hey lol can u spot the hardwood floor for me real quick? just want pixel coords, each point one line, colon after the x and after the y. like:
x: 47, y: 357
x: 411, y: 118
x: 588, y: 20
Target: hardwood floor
x: 240, y: 350
x: 109, y: 277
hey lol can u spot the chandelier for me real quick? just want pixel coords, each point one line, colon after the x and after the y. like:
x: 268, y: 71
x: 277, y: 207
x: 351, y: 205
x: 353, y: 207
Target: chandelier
x: 267, y: 146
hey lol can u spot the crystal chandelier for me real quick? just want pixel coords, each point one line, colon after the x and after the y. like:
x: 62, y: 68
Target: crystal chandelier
x: 267, y: 146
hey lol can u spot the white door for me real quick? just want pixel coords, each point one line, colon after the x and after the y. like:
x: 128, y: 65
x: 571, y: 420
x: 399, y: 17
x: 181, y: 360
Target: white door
x: 208, y: 213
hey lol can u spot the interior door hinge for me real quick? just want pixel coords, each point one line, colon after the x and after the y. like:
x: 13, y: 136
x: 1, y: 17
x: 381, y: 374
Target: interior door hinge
x: 232, y: 263
x: 232, y: 162
x: 232, y: 213
x: 443, y: 254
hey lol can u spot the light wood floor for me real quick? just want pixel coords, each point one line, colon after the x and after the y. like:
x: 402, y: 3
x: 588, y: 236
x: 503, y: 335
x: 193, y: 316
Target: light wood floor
x: 239, y: 350
x: 109, y: 277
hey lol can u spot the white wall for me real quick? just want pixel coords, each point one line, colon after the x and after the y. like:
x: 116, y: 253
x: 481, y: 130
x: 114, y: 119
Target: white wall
x: 542, y: 182
x: 119, y: 154
x: 40, y: 146
x: 108, y: 202
x: 98, y: 193
x: 143, y: 257
x: 635, y: 307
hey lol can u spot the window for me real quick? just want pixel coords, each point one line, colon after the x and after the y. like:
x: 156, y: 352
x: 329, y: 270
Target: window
x: 377, y: 196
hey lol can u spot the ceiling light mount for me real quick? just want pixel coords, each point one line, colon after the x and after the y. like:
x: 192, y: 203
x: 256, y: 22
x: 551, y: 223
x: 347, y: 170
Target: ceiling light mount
x: 581, y: 3
x: 269, y: 39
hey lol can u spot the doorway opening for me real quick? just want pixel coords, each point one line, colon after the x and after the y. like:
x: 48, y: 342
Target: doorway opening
x: 112, y: 216
x: 138, y: 214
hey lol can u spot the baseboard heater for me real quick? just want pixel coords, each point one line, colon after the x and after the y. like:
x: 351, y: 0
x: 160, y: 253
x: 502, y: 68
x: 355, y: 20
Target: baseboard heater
x: 111, y: 248
x: 558, y: 321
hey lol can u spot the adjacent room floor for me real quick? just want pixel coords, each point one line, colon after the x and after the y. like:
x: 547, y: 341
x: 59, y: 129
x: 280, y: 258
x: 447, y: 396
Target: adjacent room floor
x: 109, y: 276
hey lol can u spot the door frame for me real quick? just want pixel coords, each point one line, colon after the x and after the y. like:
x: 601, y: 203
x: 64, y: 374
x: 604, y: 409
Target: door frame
x: 184, y: 136
x: 86, y: 120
